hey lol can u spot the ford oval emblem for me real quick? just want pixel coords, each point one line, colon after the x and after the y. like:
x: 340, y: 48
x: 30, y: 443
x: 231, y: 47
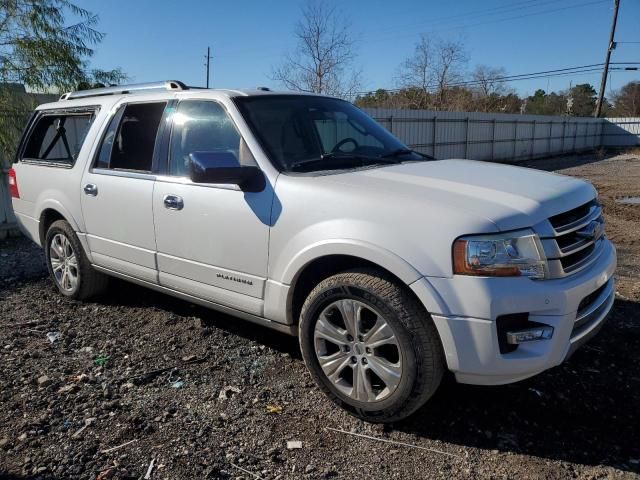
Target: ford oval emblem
x: 592, y: 230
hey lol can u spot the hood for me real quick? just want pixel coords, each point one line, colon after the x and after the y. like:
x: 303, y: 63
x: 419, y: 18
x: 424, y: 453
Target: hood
x: 510, y: 197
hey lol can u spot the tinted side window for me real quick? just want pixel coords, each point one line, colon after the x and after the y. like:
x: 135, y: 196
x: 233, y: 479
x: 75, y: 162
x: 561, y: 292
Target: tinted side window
x: 203, y: 126
x: 130, y: 139
x: 58, y: 138
x: 104, y: 154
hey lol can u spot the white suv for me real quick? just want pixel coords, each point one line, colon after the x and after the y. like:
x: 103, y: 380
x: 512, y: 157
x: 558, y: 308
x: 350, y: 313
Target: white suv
x: 301, y: 213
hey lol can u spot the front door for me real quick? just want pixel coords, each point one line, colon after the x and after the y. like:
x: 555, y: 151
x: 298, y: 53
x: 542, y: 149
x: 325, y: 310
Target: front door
x: 212, y: 240
x: 118, y: 192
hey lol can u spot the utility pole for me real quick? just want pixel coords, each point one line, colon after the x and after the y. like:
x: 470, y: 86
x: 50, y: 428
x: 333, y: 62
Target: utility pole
x: 208, y: 57
x: 612, y: 45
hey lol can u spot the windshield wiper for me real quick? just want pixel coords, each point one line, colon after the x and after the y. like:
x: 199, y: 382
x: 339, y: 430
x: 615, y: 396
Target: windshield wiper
x: 342, y: 160
x: 405, y: 151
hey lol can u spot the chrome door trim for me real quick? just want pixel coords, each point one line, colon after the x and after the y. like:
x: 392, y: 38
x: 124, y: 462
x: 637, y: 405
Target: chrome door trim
x: 187, y: 181
x: 123, y: 173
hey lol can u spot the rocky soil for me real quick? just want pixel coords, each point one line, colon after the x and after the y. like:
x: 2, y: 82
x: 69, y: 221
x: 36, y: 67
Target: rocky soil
x: 140, y: 385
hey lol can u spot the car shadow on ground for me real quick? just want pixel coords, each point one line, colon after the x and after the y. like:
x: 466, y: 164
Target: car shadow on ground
x: 584, y: 411
x: 121, y: 293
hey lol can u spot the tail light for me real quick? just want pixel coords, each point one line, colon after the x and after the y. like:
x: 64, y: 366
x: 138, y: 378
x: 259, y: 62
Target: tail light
x: 13, y: 184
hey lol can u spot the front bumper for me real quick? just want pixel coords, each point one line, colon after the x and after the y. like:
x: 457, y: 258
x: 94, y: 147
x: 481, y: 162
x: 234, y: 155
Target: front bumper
x: 469, y: 307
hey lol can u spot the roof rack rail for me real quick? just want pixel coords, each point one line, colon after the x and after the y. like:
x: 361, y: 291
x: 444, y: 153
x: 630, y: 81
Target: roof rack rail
x: 123, y: 89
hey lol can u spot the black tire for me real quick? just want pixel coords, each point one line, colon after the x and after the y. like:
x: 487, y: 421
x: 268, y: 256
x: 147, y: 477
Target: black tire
x: 420, y: 347
x: 89, y: 282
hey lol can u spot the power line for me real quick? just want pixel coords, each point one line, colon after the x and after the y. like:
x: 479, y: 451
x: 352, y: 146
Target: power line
x: 522, y: 76
x: 413, y: 34
x: 544, y: 12
x: 516, y: 6
x: 559, y: 72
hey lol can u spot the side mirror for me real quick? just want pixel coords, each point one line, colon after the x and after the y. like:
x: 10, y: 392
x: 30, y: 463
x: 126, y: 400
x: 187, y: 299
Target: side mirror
x: 223, y: 167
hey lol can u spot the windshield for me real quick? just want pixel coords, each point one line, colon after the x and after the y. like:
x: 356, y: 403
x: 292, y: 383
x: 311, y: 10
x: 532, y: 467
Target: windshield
x: 307, y: 133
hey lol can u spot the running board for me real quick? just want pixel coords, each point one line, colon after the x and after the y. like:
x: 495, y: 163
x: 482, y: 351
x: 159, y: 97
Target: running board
x: 280, y: 327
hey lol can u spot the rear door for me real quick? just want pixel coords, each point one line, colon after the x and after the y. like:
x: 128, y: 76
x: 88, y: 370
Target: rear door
x: 117, y: 192
x: 212, y: 239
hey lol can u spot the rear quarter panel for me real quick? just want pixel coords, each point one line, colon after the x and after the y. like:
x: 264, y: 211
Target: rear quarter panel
x: 44, y: 186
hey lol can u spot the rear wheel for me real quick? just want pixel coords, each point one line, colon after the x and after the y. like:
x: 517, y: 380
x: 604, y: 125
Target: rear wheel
x: 370, y: 345
x: 68, y: 265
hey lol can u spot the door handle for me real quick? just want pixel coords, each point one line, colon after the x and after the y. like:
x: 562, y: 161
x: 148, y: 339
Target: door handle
x: 91, y: 189
x: 173, y: 202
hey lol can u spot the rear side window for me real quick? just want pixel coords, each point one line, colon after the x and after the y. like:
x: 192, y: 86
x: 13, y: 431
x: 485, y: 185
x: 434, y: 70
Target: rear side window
x: 129, y: 142
x: 58, y: 138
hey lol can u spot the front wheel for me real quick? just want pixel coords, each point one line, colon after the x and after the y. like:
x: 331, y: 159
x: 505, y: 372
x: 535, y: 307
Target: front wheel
x: 370, y: 345
x: 68, y: 265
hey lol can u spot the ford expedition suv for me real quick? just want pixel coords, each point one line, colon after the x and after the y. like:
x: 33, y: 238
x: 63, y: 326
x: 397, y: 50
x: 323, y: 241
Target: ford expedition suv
x: 301, y: 213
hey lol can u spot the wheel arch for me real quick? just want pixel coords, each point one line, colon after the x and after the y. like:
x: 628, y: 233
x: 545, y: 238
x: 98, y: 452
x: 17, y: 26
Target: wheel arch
x: 52, y: 211
x: 323, y: 260
x: 47, y: 216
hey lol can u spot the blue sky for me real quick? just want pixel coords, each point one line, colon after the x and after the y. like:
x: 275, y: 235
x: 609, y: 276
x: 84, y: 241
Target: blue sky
x: 160, y: 39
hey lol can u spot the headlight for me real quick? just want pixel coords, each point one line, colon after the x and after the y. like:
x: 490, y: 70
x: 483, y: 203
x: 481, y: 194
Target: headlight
x: 513, y: 254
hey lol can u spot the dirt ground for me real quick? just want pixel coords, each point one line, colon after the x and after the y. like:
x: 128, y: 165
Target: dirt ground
x: 138, y: 384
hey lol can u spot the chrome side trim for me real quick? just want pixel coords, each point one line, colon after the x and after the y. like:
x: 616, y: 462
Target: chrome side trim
x: 280, y: 327
x: 44, y: 163
x: 187, y: 181
x: 123, y: 173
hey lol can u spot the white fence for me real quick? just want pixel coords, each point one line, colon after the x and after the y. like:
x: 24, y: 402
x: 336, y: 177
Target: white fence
x: 480, y: 136
x: 621, y: 132
x: 503, y: 137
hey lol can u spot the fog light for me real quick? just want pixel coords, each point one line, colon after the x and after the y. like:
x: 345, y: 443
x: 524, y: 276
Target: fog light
x: 529, y: 335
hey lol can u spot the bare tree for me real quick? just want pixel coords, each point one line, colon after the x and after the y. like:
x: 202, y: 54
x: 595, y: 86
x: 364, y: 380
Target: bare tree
x: 489, y: 80
x: 418, y: 72
x: 626, y: 101
x: 451, y: 57
x: 323, y: 60
x: 489, y: 88
x: 434, y: 67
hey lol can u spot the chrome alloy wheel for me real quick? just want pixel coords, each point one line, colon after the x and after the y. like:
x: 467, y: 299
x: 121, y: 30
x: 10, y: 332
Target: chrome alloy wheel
x: 64, y: 262
x: 358, y: 351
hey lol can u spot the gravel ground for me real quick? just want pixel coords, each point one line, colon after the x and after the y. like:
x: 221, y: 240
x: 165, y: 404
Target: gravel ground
x: 138, y: 384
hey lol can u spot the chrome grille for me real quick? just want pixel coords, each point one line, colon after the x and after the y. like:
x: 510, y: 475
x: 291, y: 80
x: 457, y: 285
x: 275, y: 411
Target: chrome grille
x: 575, y: 239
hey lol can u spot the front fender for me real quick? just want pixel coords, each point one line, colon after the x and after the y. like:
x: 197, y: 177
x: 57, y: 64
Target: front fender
x: 355, y: 248
x: 359, y: 249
